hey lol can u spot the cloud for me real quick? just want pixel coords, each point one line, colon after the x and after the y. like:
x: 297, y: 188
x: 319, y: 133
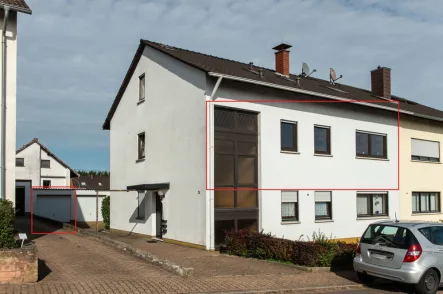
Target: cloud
x: 73, y: 55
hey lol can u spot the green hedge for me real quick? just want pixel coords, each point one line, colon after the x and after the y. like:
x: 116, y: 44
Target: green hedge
x: 106, y: 211
x: 326, y: 253
x: 7, y: 216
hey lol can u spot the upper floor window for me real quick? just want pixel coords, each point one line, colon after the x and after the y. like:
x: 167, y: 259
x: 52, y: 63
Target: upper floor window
x: 45, y: 163
x: 288, y: 136
x: 423, y: 150
x: 423, y: 202
x: 141, y: 146
x: 322, y: 140
x: 371, y: 145
x: 375, y: 204
x: 19, y: 162
x: 141, y: 87
x: 46, y: 183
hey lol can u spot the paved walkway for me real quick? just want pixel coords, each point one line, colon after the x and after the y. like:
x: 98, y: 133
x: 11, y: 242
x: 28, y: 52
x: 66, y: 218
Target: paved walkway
x: 78, y: 264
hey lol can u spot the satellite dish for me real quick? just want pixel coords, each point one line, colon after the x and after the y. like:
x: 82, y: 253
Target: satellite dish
x: 305, y: 70
x: 333, y: 76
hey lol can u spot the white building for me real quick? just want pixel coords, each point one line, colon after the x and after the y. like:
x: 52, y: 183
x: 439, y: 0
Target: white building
x: 13, y: 7
x: 90, y: 192
x: 205, y: 144
x: 37, y: 167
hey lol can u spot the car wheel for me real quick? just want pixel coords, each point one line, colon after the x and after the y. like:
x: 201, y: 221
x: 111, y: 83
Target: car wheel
x: 428, y: 283
x: 365, y: 278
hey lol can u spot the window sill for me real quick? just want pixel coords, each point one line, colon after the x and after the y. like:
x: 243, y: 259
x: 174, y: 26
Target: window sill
x: 373, y: 217
x: 289, y: 152
x: 140, y: 101
x: 422, y: 161
x: 372, y: 158
x: 323, y: 155
x: 425, y: 213
x: 324, y: 220
x: 290, y: 222
x: 139, y: 160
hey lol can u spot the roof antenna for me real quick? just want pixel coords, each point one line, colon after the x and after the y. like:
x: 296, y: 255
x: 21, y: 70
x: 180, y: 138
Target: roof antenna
x: 333, y: 76
x: 305, y: 70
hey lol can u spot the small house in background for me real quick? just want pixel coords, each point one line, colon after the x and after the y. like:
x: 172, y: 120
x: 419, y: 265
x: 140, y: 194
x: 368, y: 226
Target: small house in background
x: 91, y: 190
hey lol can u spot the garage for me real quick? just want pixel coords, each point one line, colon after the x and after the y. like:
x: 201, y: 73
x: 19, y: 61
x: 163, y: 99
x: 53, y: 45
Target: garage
x: 53, y: 204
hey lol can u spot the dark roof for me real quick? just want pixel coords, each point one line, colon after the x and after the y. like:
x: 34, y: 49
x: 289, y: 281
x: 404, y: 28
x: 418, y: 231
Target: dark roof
x: 17, y: 5
x: 212, y: 64
x: 95, y: 183
x: 35, y: 140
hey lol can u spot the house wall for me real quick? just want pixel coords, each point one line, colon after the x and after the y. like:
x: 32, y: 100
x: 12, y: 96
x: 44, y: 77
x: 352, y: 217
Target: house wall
x: 11, y: 88
x: 173, y: 119
x: 419, y: 176
x: 31, y: 170
x: 304, y: 171
x: 57, y: 173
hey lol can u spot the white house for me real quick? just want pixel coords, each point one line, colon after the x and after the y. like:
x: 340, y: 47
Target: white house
x: 90, y: 192
x: 10, y: 9
x: 48, y: 178
x: 201, y: 144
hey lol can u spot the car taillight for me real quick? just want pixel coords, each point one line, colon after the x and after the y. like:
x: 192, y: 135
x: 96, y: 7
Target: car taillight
x: 413, y: 253
x: 358, y: 249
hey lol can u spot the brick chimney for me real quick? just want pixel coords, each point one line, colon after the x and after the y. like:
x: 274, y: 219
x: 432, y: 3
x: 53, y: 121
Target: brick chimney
x: 282, y: 59
x: 35, y: 140
x: 381, y: 82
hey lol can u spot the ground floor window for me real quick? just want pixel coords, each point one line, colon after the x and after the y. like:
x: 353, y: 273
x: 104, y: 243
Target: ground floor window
x: 323, y: 205
x: 372, y: 204
x: 289, y: 206
x: 46, y: 183
x: 423, y: 202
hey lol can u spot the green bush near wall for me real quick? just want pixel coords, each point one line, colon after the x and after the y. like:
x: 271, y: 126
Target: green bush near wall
x: 318, y: 253
x: 106, y: 212
x: 7, y: 216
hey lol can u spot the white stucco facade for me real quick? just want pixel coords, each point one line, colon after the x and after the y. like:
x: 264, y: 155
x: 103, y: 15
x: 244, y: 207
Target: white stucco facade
x: 178, y: 128
x: 87, y: 205
x: 11, y: 93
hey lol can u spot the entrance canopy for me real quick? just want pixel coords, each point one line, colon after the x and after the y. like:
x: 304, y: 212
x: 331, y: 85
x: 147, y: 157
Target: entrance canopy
x: 149, y: 187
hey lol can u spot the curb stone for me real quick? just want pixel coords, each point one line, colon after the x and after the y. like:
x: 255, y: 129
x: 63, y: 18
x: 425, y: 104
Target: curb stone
x: 297, y: 290
x: 164, y: 263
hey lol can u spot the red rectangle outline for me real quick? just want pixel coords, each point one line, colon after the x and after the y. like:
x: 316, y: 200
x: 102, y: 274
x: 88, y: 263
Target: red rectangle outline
x: 75, y: 209
x: 304, y: 189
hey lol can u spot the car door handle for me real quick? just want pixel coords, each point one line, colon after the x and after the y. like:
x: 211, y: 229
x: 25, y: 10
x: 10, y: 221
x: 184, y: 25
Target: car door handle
x: 440, y: 249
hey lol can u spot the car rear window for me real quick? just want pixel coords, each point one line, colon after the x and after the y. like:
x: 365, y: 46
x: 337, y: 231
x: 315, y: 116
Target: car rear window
x: 389, y: 235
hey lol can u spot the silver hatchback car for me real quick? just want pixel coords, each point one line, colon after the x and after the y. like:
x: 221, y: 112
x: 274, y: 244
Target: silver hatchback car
x: 408, y: 252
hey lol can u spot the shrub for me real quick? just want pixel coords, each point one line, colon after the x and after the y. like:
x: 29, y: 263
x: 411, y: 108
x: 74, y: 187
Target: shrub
x: 106, y: 212
x: 323, y: 252
x: 7, y: 216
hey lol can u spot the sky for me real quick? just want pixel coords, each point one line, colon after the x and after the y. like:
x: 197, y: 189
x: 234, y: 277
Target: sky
x: 74, y: 54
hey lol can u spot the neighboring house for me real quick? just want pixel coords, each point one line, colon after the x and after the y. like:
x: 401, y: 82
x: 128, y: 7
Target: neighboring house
x: 14, y: 6
x: 194, y: 138
x: 52, y: 197
x: 90, y: 193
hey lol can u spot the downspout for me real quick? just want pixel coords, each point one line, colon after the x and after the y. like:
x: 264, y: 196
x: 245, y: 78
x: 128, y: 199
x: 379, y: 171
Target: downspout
x: 211, y: 155
x: 3, y: 137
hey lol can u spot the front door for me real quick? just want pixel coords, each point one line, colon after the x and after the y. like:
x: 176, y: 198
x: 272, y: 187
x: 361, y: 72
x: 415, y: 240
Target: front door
x: 236, y: 176
x: 159, y: 216
x: 19, y: 201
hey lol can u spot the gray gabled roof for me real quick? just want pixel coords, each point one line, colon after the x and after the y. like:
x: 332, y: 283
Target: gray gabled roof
x: 212, y: 64
x: 17, y: 5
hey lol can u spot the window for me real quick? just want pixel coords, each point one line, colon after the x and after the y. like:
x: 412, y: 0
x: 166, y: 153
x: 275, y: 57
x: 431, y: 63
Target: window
x: 141, y: 88
x: 371, y: 145
x: 46, y: 183
x: 322, y: 140
x: 288, y: 136
x: 141, y: 205
x: 323, y: 205
x: 289, y: 206
x: 45, y: 163
x: 434, y: 234
x: 19, y: 162
x: 141, y: 146
x: 372, y: 205
x: 422, y: 150
x: 423, y: 202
